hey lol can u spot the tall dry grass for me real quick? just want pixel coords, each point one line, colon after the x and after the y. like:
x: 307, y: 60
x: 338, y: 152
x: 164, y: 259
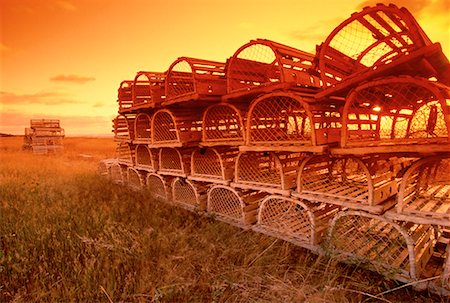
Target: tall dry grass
x: 68, y: 235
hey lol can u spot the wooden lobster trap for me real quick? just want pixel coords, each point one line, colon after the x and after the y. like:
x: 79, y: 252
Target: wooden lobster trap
x: 104, y: 167
x: 189, y: 195
x: 123, y: 128
x: 159, y: 186
x: 190, y: 79
x: 118, y: 173
x: 424, y: 193
x: 146, y: 158
x: 286, y: 122
x: 398, y: 114
x: 125, y: 153
x: 397, y: 250
x: 125, y: 95
x: 234, y: 206
x: 261, y: 66
x: 267, y: 171
x: 376, y: 42
x: 44, y: 136
x: 357, y: 183
x: 135, y: 178
x: 142, y: 129
x: 223, y: 124
x: 214, y: 165
x: 297, y: 221
x: 176, y: 127
x: 174, y: 162
x: 148, y: 89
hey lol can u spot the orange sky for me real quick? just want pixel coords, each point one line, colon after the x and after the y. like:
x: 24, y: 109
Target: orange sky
x: 65, y: 58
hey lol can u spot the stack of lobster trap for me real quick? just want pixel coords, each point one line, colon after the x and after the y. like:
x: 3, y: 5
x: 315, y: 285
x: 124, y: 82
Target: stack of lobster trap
x: 345, y: 152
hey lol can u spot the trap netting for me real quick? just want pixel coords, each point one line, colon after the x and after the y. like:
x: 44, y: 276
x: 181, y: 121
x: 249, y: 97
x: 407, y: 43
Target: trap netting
x: 396, y: 251
x: 189, y: 195
x: 233, y: 206
x: 148, y: 89
x: 193, y: 79
x: 174, y: 162
x: 397, y: 110
x: 125, y: 95
x: 375, y: 36
x: 424, y: 194
x: 142, y: 129
x: 176, y: 127
x: 123, y: 128
x: 158, y: 187
x: 297, y: 221
x: 213, y: 164
x: 135, y: 178
x: 223, y: 124
x: 361, y: 183
x: 265, y: 65
x: 104, y: 167
x: 118, y: 173
x: 268, y: 171
x: 146, y: 158
x: 125, y: 153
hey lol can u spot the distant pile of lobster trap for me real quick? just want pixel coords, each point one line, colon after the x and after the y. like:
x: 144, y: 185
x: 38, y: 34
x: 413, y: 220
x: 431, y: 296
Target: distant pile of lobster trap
x: 345, y: 152
x: 43, y: 136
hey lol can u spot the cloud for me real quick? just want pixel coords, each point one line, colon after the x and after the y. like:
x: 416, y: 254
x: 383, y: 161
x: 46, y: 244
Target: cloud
x: 65, y: 5
x: 72, y: 78
x: 99, y: 104
x: 48, y: 98
x: 4, y: 48
x: 317, y: 32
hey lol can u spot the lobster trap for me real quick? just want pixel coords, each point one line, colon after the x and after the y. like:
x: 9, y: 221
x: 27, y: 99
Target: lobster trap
x: 261, y: 66
x: 397, y: 250
x: 285, y: 121
x: 44, y: 136
x: 424, y: 193
x: 125, y: 95
x: 234, y: 206
x: 214, y: 165
x: 118, y: 172
x: 297, y: 221
x: 398, y: 114
x: 189, y: 195
x: 142, y: 129
x: 125, y: 153
x: 376, y: 42
x: 223, y: 124
x: 190, y: 79
x: 146, y: 158
x: 148, y: 89
x: 104, y: 167
x: 174, y: 162
x: 135, y: 178
x: 176, y: 127
x: 267, y: 171
x: 123, y: 128
x: 159, y: 186
x: 356, y: 183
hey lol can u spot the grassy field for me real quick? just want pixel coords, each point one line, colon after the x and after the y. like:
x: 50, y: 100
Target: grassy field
x: 67, y: 235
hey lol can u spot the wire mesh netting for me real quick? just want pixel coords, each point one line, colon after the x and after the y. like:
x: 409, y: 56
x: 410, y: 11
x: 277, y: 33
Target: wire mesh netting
x: 180, y: 80
x: 400, y: 110
x: 157, y: 186
x: 146, y: 158
x: 164, y: 127
x: 184, y: 193
x: 125, y: 153
x: 134, y: 178
x: 278, y: 119
x: 123, y: 127
x: 226, y: 204
x: 148, y: 89
x: 222, y: 123
x: 170, y: 159
x: 425, y: 190
x: 207, y: 162
x: 376, y: 36
x: 116, y: 173
x: 142, y: 128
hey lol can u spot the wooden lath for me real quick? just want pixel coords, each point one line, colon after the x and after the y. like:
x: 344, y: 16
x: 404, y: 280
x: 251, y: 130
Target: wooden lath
x: 396, y: 250
x: 146, y: 158
x: 236, y: 207
x: 424, y: 193
x: 159, y: 186
x: 148, y: 89
x: 135, y: 178
x: 123, y: 128
x: 400, y: 111
x: 142, y: 129
x: 44, y: 136
x: 174, y: 162
x: 125, y: 153
x: 191, y: 79
x: 267, y: 171
x: 261, y: 66
x: 189, y: 195
x: 214, y: 165
x: 118, y: 172
x: 125, y: 95
x: 223, y: 124
x: 365, y: 183
x: 297, y: 221
x: 176, y: 127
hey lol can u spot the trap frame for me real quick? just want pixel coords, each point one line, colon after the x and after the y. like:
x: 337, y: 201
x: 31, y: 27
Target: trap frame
x: 148, y: 89
x: 123, y: 128
x: 125, y: 95
x: 215, y: 165
x: 142, y: 129
x: 189, y: 195
x: 174, y: 162
x: 146, y: 158
x: 159, y: 186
